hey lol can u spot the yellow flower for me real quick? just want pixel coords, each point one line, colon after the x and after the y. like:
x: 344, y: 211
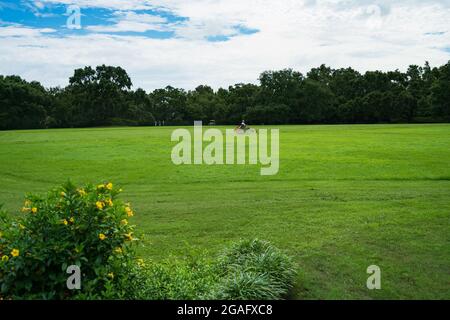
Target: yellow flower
x: 140, y: 262
x: 5, y: 258
x: 111, y: 275
x: 63, y: 194
x: 100, y: 186
x: 34, y: 210
x: 15, y: 252
x: 65, y: 222
x: 124, y: 222
x: 109, y: 186
x: 81, y: 192
x: 72, y: 219
x: 129, y: 212
x: 99, y: 205
x: 129, y: 236
x: 25, y: 209
x: 109, y: 202
x: 118, y: 250
x: 101, y: 236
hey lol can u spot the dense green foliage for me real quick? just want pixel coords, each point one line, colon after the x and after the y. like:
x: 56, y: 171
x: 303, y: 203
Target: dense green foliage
x: 246, y: 270
x: 253, y: 269
x: 180, y: 278
x: 103, y: 96
x: 86, y: 227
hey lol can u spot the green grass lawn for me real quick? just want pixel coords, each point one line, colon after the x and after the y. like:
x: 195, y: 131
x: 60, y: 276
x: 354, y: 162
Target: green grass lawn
x: 346, y: 197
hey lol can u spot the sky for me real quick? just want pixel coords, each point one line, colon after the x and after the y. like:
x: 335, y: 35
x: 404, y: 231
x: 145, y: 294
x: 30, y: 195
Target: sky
x: 186, y: 43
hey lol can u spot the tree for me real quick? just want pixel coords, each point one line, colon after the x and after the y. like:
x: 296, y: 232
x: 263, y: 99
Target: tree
x: 274, y: 114
x: 23, y: 104
x: 376, y: 107
x: 139, y: 109
x: 279, y: 87
x: 315, y: 103
x: 376, y: 81
x: 98, y: 95
x: 169, y: 105
x: 103, y: 96
x: 404, y: 107
x: 202, y: 103
x: 237, y: 100
x: 323, y: 74
x: 441, y: 93
x: 346, y: 84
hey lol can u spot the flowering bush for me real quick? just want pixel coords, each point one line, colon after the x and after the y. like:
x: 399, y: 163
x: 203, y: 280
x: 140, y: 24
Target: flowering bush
x: 87, y: 227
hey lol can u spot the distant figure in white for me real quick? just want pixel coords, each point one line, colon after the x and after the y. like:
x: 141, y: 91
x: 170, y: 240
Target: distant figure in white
x: 215, y: 153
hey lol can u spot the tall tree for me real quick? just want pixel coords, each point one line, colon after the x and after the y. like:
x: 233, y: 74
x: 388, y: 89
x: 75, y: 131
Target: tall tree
x: 22, y: 104
x: 98, y: 95
x: 441, y: 93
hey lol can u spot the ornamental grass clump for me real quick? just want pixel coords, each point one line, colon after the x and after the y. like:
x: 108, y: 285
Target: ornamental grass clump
x: 253, y: 269
x: 247, y: 270
x: 87, y: 227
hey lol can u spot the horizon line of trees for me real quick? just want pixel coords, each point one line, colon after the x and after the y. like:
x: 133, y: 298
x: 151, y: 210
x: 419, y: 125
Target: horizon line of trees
x: 103, y: 97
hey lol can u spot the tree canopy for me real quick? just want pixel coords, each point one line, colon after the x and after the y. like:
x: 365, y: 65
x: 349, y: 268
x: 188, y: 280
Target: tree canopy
x: 104, y: 96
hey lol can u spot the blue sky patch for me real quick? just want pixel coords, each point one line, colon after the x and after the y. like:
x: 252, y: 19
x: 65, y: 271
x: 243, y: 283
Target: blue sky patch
x: 156, y: 24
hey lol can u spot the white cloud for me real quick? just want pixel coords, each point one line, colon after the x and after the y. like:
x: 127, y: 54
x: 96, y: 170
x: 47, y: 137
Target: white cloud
x: 39, y: 4
x: 131, y: 21
x: 20, y: 31
x: 108, y: 4
x: 295, y: 34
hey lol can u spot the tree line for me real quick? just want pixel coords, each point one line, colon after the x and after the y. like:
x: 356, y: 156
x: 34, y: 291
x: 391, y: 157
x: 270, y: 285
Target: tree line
x: 104, y: 97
